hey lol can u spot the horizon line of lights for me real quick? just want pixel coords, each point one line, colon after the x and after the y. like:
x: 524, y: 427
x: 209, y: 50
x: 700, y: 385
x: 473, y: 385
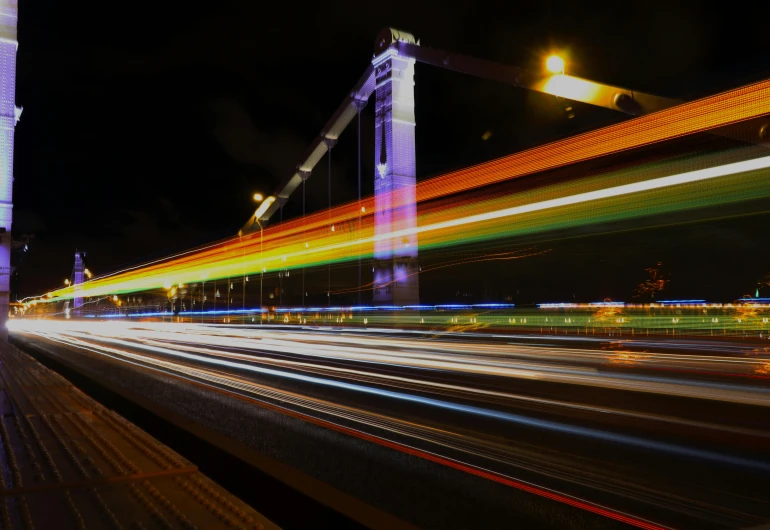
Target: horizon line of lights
x: 551, y: 305
x: 437, y: 231
x: 318, y: 309
x: 687, y: 304
x: 680, y: 301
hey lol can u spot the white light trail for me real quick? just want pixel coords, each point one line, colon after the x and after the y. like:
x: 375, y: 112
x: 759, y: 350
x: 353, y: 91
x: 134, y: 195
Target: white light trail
x: 580, y: 198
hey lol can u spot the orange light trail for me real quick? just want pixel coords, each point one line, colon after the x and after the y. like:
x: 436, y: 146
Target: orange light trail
x: 310, y: 241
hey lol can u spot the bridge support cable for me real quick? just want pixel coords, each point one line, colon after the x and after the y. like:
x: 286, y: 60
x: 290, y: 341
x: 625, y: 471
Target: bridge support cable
x: 304, y: 175
x: 281, y: 201
x: 360, y: 104
x: 630, y: 102
x: 303, y: 216
x: 391, y: 76
x: 330, y: 143
x: 317, y: 149
x: 570, y: 87
x: 243, y: 286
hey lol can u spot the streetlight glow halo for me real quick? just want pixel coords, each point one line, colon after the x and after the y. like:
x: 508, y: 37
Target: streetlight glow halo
x: 555, y: 64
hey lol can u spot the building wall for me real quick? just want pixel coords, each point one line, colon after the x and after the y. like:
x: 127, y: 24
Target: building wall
x: 8, y: 47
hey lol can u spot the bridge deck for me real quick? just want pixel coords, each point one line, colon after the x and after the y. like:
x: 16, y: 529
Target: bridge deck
x: 67, y: 462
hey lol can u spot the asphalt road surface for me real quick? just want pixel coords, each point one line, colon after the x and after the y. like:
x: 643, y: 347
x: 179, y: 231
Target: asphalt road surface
x: 456, y: 429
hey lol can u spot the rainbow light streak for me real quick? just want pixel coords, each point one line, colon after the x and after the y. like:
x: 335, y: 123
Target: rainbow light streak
x: 447, y: 224
x: 708, y: 113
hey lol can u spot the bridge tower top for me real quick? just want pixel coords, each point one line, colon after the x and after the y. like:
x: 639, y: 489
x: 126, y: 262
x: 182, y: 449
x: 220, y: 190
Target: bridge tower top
x: 389, y: 36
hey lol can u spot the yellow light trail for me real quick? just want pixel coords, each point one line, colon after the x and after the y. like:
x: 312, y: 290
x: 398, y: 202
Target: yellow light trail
x: 311, y: 241
x: 448, y: 224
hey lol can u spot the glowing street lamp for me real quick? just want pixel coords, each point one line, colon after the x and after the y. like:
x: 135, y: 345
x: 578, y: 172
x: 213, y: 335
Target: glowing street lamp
x: 66, y: 281
x: 555, y: 64
x: 263, y: 206
x: 258, y: 197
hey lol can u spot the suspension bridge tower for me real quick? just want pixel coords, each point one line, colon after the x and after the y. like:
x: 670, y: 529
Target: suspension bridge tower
x: 9, y: 115
x: 396, y: 279
x: 78, y: 277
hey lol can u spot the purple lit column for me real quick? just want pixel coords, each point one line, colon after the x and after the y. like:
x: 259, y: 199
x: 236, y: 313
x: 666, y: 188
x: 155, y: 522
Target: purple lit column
x: 396, y: 270
x: 79, y: 276
x: 8, y: 117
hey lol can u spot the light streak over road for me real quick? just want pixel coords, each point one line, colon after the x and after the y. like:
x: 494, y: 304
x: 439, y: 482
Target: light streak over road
x: 311, y: 241
x: 442, y: 225
x: 470, y: 401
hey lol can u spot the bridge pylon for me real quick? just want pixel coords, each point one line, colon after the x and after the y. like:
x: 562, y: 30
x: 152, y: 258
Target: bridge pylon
x: 79, y: 276
x: 396, y: 279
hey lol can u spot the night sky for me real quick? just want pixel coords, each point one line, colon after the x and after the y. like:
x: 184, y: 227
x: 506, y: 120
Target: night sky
x: 148, y: 126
